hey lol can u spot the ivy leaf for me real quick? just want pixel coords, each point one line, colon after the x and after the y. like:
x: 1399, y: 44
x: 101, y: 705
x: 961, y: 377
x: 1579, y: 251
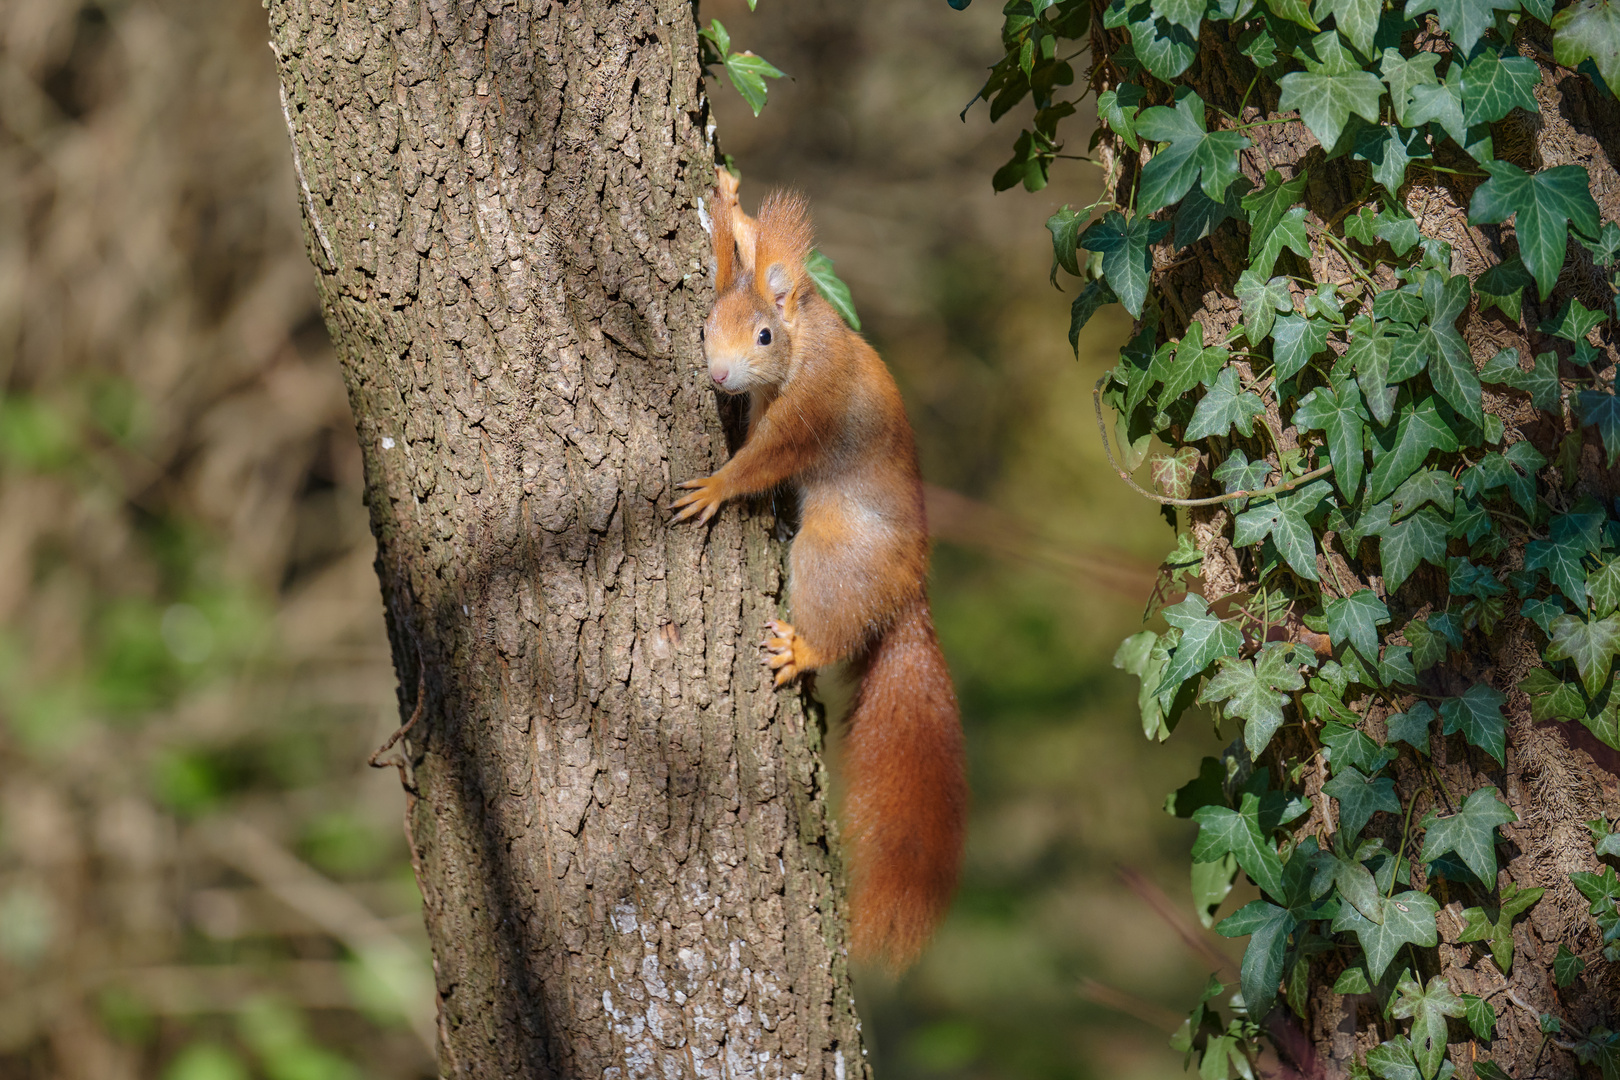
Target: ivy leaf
x: 1359, y: 798
x: 1188, y: 152
x: 1253, y: 691
x: 1126, y: 261
x: 831, y: 287
x: 1481, y: 1017
x: 1195, y: 363
x: 1428, y: 486
x: 1441, y: 104
x: 1427, y: 1009
x: 1402, y: 305
x: 1567, y: 967
x: 1289, y: 234
x: 1591, y: 645
x: 1408, y: 919
x: 1393, y: 1060
x: 1404, y: 74
x: 1546, y: 204
x: 1198, y: 216
x: 1283, y: 519
x: 1203, y: 638
x: 1065, y: 229
x: 1464, y: 20
x: 1223, y: 408
x: 1602, y: 410
x: 1603, y: 587
x: 1268, y: 927
x: 1541, y: 384
x: 1412, y: 727
x: 1478, y: 715
x: 1494, y: 86
x: 1389, y: 150
x: 1238, y: 473
x: 1404, y: 544
x: 1267, y: 208
x: 1574, y: 321
x: 1357, y: 20
x: 1356, y: 618
x: 1471, y: 832
x: 1606, y: 248
x: 1561, y: 558
x: 1349, y: 747
x: 1295, y: 339
x: 1237, y: 832
x: 1503, y: 286
x: 1261, y: 301
x: 1118, y: 108
x: 1164, y: 49
x: 1087, y: 303
x: 1542, y: 612
x: 1497, y: 932
x: 1336, y: 411
x: 1369, y: 354
x: 1173, y: 473
x: 1330, y: 89
x: 1589, y: 30
x: 1451, y: 367
x: 1419, y: 430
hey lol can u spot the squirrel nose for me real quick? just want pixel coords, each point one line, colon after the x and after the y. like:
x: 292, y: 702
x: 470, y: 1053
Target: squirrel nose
x: 719, y: 374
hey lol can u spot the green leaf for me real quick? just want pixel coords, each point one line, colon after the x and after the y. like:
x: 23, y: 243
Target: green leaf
x: 1222, y: 831
x: 1289, y: 234
x: 1261, y: 301
x: 1253, y: 691
x: 1369, y: 353
x: 1441, y: 104
x: 1267, y: 208
x: 1497, y: 930
x: 1542, y: 612
x: 1606, y: 248
x: 1471, y: 832
x: 1359, y: 798
x: 1189, y: 151
x: 1352, y: 980
x: 1574, y: 321
x: 1419, y: 430
x: 1427, y: 1008
x: 1591, y: 645
x: 1356, y: 618
x: 1203, y: 639
x: 1065, y: 229
x: 1481, y: 1017
x: 1541, y: 384
x: 1211, y: 885
x: 1478, y: 715
x: 1402, y: 305
x: 831, y: 286
x: 1389, y: 150
x: 1412, y: 727
x: 1163, y: 48
x: 1408, y: 919
x: 746, y: 71
x: 1330, y: 89
x: 1337, y: 412
x: 1567, y: 967
x: 1118, y: 109
x: 1427, y: 486
x: 1198, y: 216
x: 1223, y: 408
x: 1295, y: 340
x: 1451, y: 367
x: 1494, y: 86
x: 1589, y: 30
x: 1238, y: 473
x: 1145, y: 655
x: 1546, y: 204
x: 1601, y: 410
x: 1464, y: 20
x: 1268, y: 927
x: 1126, y: 261
x: 1349, y: 747
x: 1405, y: 74
x: 1561, y: 558
x: 1419, y: 538
x: 1173, y: 473
x: 1503, y: 286
x: 1283, y: 518
x: 1087, y: 303
x: 1195, y: 363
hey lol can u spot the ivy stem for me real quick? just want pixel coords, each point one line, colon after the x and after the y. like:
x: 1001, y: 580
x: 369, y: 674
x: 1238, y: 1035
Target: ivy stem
x: 1164, y: 500
x: 1406, y: 832
x: 1355, y: 263
x: 1265, y: 123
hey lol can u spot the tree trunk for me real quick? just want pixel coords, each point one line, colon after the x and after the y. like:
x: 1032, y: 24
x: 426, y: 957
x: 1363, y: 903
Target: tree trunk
x: 620, y: 833
x: 1557, y: 776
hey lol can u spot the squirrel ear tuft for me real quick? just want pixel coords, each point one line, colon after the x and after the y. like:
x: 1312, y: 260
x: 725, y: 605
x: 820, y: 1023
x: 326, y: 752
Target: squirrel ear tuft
x: 784, y: 240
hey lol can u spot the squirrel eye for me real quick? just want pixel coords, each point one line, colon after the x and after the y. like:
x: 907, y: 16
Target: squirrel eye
x: 764, y: 335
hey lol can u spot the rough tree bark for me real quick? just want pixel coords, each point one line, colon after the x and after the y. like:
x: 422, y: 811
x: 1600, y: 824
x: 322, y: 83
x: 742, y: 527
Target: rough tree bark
x: 1556, y: 776
x: 620, y: 833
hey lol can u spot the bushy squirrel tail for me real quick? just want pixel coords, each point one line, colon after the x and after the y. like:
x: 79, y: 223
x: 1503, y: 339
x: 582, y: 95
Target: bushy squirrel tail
x: 907, y: 796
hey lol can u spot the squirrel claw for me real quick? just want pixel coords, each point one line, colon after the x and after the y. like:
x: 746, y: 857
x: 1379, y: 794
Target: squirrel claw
x: 703, y: 502
x: 781, y: 653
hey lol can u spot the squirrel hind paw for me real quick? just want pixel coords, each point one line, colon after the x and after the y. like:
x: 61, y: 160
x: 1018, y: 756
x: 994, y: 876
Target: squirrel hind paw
x: 782, y: 651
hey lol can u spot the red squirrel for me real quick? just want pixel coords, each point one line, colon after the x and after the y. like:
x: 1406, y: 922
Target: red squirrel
x: 825, y: 415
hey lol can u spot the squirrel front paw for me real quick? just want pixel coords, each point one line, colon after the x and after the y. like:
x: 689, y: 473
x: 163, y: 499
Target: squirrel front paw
x: 785, y: 652
x: 704, y: 501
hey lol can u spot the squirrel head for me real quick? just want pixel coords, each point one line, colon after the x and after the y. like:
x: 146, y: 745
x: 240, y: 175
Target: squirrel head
x: 748, y: 338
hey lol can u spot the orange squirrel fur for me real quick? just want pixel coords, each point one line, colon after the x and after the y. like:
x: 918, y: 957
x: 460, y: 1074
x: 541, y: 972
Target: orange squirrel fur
x: 825, y: 414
